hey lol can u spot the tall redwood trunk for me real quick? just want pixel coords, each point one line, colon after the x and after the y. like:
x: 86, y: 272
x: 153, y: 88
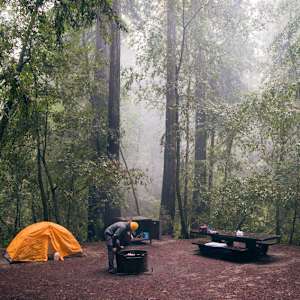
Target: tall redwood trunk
x: 113, y: 147
x: 168, y: 195
x: 200, y: 173
x: 98, y: 100
x: 114, y: 91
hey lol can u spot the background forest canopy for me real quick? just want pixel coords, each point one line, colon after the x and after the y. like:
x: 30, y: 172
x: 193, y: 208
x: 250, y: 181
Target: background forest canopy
x: 186, y: 111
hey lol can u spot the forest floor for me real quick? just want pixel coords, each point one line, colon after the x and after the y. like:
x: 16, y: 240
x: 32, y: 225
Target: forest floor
x: 176, y: 272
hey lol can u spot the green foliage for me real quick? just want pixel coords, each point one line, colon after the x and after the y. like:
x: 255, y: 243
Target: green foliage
x: 254, y: 159
x: 47, y: 81
x: 242, y: 203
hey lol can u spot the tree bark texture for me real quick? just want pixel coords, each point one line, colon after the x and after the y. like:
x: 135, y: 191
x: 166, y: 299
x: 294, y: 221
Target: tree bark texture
x: 98, y: 140
x: 187, y: 154
x: 168, y: 196
x: 180, y: 201
x: 98, y: 98
x: 200, y: 172
x: 211, y: 160
x: 200, y: 181
x: 40, y: 181
x: 114, y: 90
x: 181, y: 208
x: 113, y: 147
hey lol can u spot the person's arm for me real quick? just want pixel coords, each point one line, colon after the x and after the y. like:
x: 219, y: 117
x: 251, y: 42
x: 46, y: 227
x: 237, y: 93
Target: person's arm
x: 118, y: 235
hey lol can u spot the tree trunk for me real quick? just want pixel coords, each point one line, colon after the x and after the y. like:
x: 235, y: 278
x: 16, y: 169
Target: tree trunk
x: 296, y: 80
x: 113, y: 150
x: 277, y: 218
x: 294, y: 222
x: 200, y: 180
x: 18, y: 207
x: 132, y: 184
x: 187, y: 154
x: 48, y: 175
x: 211, y: 161
x: 15, y: 95
x: 168, y: 195
x: 92, y: 213
x: 40, y: 180
x: 184, y: 230
x: 52, y: 190
x: 114, y: 91
x: 278, y: 203
x: 181, y: 206
x: 227, y: 168
x: 33, y: 214
x: 98, y: 99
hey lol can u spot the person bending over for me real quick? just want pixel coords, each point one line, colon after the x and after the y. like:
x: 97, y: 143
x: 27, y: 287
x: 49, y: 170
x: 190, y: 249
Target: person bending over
x: 115, y: 235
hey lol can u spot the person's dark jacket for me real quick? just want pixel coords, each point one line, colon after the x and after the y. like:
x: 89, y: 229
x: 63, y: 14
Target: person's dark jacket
x: 118, y: 232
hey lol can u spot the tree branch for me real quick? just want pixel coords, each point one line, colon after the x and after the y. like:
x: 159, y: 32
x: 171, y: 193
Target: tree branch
x: 194, y: 15
x: 131, y: 183
x: 10, y: 105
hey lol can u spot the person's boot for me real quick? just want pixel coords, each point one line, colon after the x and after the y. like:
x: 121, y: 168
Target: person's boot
x: 112, y: 271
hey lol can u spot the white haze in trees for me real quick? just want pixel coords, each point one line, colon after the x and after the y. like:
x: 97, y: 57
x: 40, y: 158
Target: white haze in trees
x: 143, y: 126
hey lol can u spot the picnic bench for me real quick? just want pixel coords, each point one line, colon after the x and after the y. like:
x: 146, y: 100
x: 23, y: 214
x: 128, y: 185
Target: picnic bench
x: 248, y: 245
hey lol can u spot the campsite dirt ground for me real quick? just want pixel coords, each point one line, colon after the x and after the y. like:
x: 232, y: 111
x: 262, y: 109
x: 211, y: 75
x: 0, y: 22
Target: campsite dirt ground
x: 176, y: 272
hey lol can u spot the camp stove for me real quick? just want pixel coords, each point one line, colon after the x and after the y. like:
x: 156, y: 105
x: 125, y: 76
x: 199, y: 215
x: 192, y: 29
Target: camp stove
x: 132, y: 261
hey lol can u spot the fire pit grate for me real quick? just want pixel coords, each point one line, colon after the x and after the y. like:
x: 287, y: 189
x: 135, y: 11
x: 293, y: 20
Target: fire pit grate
x: 132, y: 261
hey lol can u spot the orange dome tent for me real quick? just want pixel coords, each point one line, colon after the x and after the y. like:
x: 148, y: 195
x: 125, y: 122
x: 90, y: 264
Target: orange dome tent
x: 37, y: 241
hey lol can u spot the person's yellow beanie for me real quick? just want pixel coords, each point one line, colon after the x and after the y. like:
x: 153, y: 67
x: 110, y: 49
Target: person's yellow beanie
x: 134, y: 226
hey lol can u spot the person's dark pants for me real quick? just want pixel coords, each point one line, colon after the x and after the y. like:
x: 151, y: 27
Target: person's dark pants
x: 110, y: 252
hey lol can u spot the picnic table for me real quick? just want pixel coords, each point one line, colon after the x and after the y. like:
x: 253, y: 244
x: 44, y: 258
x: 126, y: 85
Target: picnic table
x: 229, y: 243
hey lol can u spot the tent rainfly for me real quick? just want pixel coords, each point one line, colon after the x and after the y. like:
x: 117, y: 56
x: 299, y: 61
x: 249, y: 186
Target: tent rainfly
x: 38, y: 241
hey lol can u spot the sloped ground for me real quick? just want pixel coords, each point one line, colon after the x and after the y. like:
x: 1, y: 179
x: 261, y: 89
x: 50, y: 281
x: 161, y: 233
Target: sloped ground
x: 178, y: 273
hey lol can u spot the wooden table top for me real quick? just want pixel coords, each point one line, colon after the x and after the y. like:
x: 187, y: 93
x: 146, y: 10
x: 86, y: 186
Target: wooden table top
x: 245, y: 236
